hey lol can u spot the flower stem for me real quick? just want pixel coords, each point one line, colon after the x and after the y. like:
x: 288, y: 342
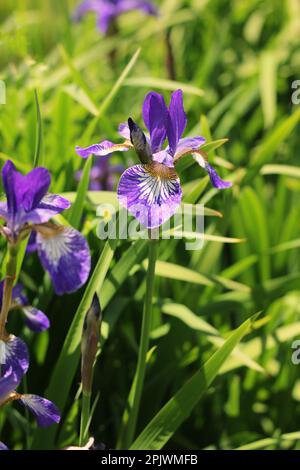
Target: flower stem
x: 137, y: 388
x: 85, y: 418
x: 11, y: 267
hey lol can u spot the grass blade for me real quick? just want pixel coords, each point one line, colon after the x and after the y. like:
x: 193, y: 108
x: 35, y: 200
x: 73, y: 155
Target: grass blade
x: 179, y: 407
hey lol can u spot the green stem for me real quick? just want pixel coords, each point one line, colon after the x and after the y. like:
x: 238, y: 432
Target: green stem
x: 137, y: 386
x: 85, y: 418
x: 10, y: 275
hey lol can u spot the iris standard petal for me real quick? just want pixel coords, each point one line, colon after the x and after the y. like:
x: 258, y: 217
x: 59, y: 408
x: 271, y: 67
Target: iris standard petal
x: 164, y: 157
x: 177, y: 120
x: 45, y: 412
x: 35, y: 319
x: 8, y: 179
x: 65, y: 254
x: 24, y: 191
x: 151, y: 193
x: 189, y: 143
x: 124, y: 130
x: 155, y: 115
x: 49, y: 206
x: 14, y: 354
x: 104, y: 148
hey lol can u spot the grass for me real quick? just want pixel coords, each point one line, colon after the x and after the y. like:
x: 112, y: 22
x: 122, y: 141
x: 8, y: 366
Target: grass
x: 236, y: 67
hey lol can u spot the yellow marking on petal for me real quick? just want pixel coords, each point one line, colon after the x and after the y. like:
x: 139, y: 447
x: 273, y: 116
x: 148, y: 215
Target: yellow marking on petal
x: 49, y: 230
x: 9, y: 398
x: 159, y: 170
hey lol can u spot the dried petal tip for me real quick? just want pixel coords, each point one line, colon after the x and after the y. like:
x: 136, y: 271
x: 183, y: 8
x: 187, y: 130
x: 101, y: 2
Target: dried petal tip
x: 139, y: 142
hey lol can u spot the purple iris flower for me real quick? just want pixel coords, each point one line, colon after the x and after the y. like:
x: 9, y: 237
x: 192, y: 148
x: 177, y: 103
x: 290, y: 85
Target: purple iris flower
x: 103, y: 175
x: 108, y: 10
x: 45, y: 412
x: 13, y: 355
x: 3, y: 446
x: 151, y: 191
x: 35, y: 319
x: 63, y: 251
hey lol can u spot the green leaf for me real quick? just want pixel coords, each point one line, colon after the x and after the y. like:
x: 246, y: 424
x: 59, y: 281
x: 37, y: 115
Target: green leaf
x: 270, y: 144
x: 67, y: 363
x: 68, y: 360
x: 271, y: 441
x: 174, y: 271
x: 286, y: 170
x: 162, y: 84
x: 267, y: 84
x: 79, y: 95
x: 38, y: 155
x: 254, y: 219
x: 108, y: 100
x: 162, y: 427
x: 76, y: 210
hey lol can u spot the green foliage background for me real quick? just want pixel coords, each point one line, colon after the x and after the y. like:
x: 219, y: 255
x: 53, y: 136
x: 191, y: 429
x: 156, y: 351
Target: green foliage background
x: 236, y: 62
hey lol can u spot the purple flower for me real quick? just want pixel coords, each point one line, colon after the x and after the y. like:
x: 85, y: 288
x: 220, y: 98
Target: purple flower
x: 13, y: 355
x: 102, y: 175
x: 151, y: 191
x: 45, y: 412
x: 27, y: 199
x: 65, y: 255
x: 3, y: 446
x: 35, y: 319
x: 63, y: 251
x: 108, y: 10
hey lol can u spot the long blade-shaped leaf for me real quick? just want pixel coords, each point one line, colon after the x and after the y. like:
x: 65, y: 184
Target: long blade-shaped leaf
x: 178, y: 408
x: 77, y: 208
x: 68, y: 360
x: 38, y: 155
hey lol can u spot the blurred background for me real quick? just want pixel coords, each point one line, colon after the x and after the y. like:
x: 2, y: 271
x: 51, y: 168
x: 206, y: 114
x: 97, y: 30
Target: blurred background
x: 236, y: 63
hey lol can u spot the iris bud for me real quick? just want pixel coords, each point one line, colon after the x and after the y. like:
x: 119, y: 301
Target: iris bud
x: 140, y: 143
x: 89, y: 344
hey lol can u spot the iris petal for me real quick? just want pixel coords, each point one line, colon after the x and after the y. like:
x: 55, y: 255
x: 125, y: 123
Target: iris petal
x: 36, y: 320
x: 151, y: 193
x: 24, y: 192
x: 3, y: 446
x: 9, y: 382
x: 14, y: 354
x: 45, y: 412
x: 177, y: 120
x: 65, y: 255
x: 215, y: 179
x: 104, y: 148
x: 124, y: 130
x: 155, y: 115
